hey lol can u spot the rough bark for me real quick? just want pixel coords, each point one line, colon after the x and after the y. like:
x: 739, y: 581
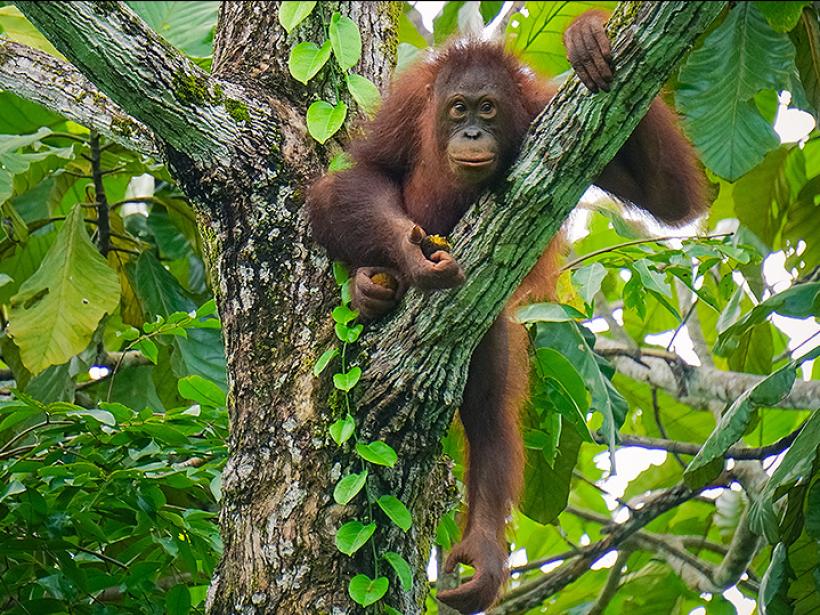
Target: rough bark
x: 44, y: 79
x: 247, y: 177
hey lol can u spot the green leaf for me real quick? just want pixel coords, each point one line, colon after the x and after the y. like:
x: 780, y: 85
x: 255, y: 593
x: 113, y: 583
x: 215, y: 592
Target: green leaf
x: 546, y: 312
x: 345, y: 382
x: 782, y: 16
x: 340, y: 272
x: 346, y: 41
x: 366, y: 591
x: 164, y: 433
x: 340, y: 162
x: 324, y: 120
x: 364, y: 92
x: 546, y: 486
x: 567, y: 338
x: 800, y: 301
x: 342, y: 429
x: 348, y: 334
x: 203, y: 391
x: 186, y: 25
x: 201, y: 352
x: 353, y: 535
x: 735, y: 421
x: 307, y: 59
x: 178, y: 600
x: 805, y: 37
x: 588, y: 281
x: 396, y: 511
x: 347, y: 488
x: 651, y: 279
x: 323, y: 361
x: 772, y: 597
x: 343, y: 314
x: 401, y: 567
x: 537, y: 37
x: 291, y: 14
x: 797, y: 463
x: 17, y: 28
x: 737, y: 60
x: 377, y: 452
x: 57, y: 310
x: 102, y: 417
x: 148, y: 348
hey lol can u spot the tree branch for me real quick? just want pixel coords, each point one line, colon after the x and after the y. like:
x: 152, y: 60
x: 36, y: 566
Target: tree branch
x: 142, y: 73
x: 691, y: 448
x: 535, y: 592
x: 59, y: 87
x: 697, y: 384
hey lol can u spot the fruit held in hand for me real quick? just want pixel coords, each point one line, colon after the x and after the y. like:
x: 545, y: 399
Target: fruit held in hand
x: 385, y: 280
x: 433, y: 243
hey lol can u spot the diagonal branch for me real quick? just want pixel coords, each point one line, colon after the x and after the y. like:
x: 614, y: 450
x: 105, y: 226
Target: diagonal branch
x: 58, y: 86
x: 142, y: 73
x: 418, y: 359
x: 535, y: 592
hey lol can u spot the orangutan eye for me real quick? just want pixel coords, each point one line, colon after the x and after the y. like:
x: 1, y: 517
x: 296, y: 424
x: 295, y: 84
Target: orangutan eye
x: 458, y: 110
x: 487, y: 109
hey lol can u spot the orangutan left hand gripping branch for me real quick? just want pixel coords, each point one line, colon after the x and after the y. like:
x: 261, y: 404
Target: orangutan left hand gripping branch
x: 448, y: 130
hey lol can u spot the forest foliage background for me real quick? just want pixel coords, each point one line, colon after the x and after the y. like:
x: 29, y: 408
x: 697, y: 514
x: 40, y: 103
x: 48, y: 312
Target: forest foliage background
x: 113, y: 415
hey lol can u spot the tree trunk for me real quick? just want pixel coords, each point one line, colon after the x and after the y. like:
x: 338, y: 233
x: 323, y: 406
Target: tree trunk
x: 237, y: 144
x: 275, y: 293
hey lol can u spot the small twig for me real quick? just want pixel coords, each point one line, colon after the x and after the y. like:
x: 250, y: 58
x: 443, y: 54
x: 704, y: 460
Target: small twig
x: 691, y: 448
x: 101, y: 556
x: 656, y: 408
x: 788, y: 352
x: 613, y: 581
x: 635, y: 242
x: 535, y: 565
x: 28, y: 430
x: 103, y: 223
x: 600, y: 489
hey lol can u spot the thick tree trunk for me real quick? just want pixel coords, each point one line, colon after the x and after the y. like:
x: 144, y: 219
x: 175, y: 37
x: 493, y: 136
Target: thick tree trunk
x: 247, y: 173
x: 275, y: 293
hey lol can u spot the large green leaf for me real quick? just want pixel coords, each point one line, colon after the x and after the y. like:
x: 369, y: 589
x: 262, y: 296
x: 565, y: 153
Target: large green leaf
x: 782, y: 16
x: 57, y: 309
x: 760, y: 196
x: 806, y: 39
x: 567, y: 338
x: 801, y: 301
x: 537, y: 36
x: 796, y: 464
x: 345, y: 40
x: 15, y: 27
x: 771, y: 599
x: 741, y: 57
x: 201, y: 352
x: 187, y: 25
x: 768, y: 392
x: 546, y: 487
